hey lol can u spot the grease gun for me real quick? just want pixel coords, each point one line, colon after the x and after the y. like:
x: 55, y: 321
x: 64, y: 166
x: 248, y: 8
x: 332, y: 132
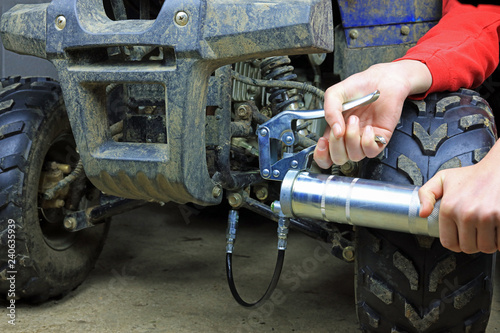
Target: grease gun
x: 331, y: 198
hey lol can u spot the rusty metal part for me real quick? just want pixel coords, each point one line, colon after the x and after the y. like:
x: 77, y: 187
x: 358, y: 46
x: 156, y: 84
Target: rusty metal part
x: 49, y: 182
x: 217, y: 191
x: 244, y: 112
x: 235, y: 200
x: 92, y: 216
x: 280, y: 84
x: 70, y: 223
x: 349, y: 253
x: 261, y: 191
x: 63, y: 184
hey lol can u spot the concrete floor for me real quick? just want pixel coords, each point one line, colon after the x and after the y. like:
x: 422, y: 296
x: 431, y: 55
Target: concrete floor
x: 163, y: 270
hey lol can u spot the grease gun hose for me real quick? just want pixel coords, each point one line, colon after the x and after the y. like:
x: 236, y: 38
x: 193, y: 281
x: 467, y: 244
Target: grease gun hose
x: 270, y: 288
x: 232, y: 226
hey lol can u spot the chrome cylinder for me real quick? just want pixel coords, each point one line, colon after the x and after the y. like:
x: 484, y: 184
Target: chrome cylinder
x: 355, y: 201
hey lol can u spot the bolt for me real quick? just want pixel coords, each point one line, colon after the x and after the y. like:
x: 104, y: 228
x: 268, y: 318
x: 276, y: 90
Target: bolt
x: 288, y: 139
x: 348, y: 253
x: 354, y: 34
x: 276, y: 173
x: 60, y: 22
x: 235, y: 200
x: 181, y: 18
x: 405, y: 30
x: 265, y: 173
x: 244, y: 111
x: 263, y: 132
x: 70, y: 223
x: 261, y: 193
x: 348, y: 167
x: 294, y: 164
x: 216, y: 191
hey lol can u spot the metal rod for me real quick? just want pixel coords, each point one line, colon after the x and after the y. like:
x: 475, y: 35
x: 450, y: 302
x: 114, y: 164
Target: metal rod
x: 309, y: 228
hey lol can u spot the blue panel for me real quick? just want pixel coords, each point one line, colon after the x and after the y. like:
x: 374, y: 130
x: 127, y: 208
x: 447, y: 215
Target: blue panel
x: 361, y: 13
x: 382, y: 35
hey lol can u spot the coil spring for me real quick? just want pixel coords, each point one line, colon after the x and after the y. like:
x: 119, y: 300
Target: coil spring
x: 279, y: 68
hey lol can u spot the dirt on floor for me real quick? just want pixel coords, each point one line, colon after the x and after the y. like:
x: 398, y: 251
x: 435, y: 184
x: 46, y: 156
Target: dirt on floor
x: 163, y: 270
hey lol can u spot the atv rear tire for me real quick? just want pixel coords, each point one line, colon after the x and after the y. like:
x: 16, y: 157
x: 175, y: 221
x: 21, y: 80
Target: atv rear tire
x: 407, y: 283
x: 45, y: 259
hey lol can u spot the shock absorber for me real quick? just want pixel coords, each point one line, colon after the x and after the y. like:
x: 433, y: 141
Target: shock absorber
x: 361, y: 202
x: 279, y: 68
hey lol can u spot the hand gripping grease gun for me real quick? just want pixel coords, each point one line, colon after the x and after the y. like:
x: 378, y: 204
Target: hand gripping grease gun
x: 330, y: 198
x: 359, y: 202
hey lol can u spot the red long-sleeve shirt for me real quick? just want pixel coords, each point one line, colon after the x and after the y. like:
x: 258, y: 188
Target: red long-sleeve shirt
x: 462, y: 50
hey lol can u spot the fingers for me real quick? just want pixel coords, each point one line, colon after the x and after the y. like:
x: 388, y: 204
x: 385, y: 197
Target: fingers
x: 334, y: 98
x: 469, y: 233
x: 355, y: 145
x: 337, y: 148
x: 462, y: 227
x: 429, y: 193
x: 487, y: 238
x: 322, y: 153
x: 352, y: 146
x: 448, y: 234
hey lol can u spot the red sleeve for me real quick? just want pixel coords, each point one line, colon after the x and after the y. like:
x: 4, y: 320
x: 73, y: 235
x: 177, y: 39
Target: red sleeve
x: 462, y: 50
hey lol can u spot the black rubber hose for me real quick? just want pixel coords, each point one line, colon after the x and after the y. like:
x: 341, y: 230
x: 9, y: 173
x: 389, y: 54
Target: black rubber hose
x: 270, y: 288
x: 280, y: 84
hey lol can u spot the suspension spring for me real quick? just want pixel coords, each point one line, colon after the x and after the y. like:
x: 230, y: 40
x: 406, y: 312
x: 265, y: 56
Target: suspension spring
x: 279, y: 68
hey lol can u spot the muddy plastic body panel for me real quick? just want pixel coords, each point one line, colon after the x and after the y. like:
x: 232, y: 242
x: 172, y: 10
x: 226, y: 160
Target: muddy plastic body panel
x: 217, y: 33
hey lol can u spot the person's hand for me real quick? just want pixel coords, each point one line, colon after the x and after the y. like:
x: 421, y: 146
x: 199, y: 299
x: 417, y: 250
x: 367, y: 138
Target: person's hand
x: 351, y: 135
x: 469, y: 216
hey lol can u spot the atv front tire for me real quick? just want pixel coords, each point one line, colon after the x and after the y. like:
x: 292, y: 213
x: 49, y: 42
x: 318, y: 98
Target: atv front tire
x: 46, y: 259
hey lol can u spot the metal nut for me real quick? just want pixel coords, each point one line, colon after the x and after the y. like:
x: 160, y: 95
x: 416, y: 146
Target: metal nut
x: 244, y: 111
x: 348, y: 253
x: 60, y: 22
x: 216, y: 191
x: 235, y: 200
x: 181, y: 18
x: 349, y: 167
x: 354, y: 34
x: 405, y: 30
x: 261, y: 193
x: 70, y: 223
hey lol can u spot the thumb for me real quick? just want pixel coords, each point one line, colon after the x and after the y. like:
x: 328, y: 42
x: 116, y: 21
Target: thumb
x: 430, y: 193
x: 334, y: 98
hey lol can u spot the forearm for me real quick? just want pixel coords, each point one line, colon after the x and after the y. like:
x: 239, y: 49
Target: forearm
x: 462, y: 49
x: 417, y: 73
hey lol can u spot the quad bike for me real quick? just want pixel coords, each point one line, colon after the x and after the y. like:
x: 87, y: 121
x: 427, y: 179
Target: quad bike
x: 203, y: 101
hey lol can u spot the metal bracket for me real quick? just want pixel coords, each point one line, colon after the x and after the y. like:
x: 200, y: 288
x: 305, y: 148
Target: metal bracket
x: 280, y: 130
x: 277, y: 131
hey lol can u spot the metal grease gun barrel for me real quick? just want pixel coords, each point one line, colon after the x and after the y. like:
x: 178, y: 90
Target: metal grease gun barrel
x: 360, y: 202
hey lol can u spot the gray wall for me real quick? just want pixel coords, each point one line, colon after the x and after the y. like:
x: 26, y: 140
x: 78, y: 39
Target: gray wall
x: 14, y: 64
